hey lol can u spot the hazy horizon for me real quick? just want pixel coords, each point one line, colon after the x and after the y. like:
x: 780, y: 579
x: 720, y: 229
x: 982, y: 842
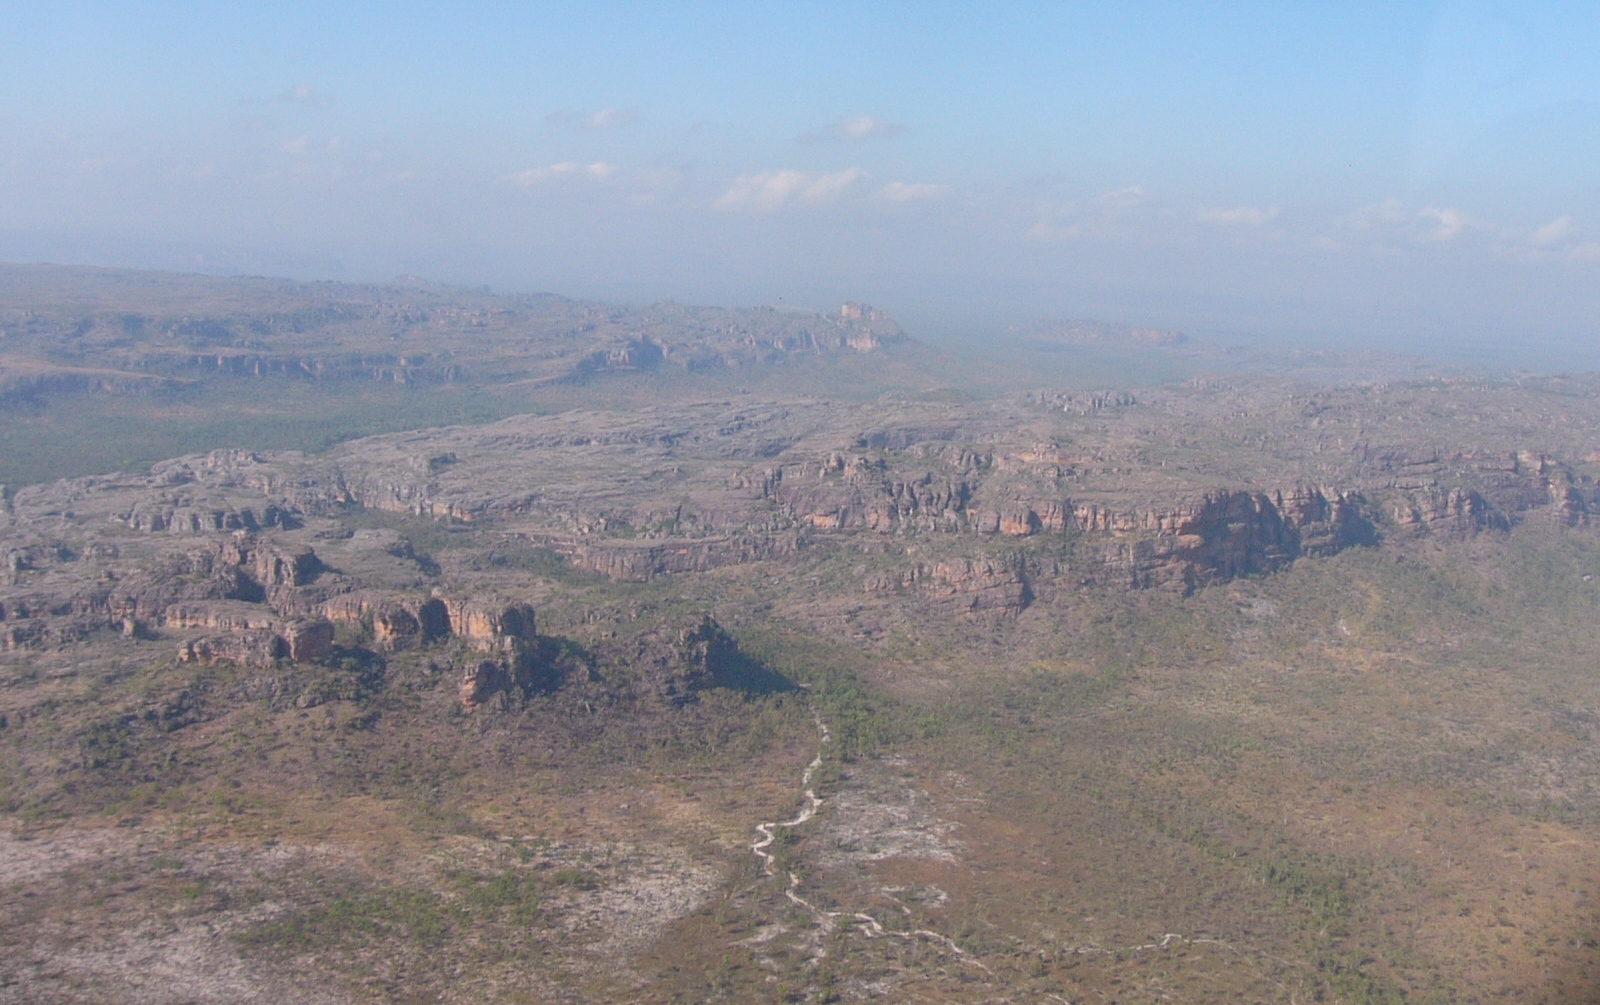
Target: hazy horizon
x: 1417, y: 177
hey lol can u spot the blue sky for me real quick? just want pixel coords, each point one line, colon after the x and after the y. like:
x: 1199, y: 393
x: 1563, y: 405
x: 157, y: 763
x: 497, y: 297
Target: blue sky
x: 1424, y: 174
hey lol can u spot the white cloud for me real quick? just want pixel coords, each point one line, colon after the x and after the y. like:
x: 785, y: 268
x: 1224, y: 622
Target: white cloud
x: 605, y: 118
x: 1122, y: 198
x: 1237, y: 216
x: 1122, y: 211
x: 899, y: 191
x: 771, y: 190
x: 1390, y: 226
x: 297, y: 146
x: 1448, y: 223
x: 613, y: 118
x: 1556, y: 231
x: 599, y: 170
x: 855, y: 128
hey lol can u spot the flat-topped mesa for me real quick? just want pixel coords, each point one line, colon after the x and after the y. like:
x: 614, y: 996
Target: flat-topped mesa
x: 493, y: 627
x: 1227, y: 534
x: 644, y: 560
x: 271, y: 566
x: 398, y: 620
x: 865, y: 329
x: 181, y: 513
x: 296, y: 641
x: 234, y: 584
x: 249, y: 569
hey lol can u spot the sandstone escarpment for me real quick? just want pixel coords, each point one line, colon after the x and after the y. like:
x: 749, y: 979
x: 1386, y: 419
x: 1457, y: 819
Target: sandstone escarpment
x: 962, y: 585
x: 859, y: 493
x: 1457, y: 511
x: 1224, y: 534
x: 234, y: 583
x: 396, y: 620
x: 642, y: 560
x: 399, y: 620
x: 1211, y: 539
x: 939, y: 494
x: 298, y: 642
x: 180, y: 513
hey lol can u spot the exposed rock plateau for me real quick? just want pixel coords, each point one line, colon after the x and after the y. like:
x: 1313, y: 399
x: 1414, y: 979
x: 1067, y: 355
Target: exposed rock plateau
x: 962, y: 508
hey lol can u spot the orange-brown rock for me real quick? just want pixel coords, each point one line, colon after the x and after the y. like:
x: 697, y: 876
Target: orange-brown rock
x: 491, y: 626
x: 1459, y: 511
x: 255, y: 648
x: 398, y: 620
x: 482, y: 681
x: 299, y: 642
x: 961, y: 585
x: 307, y: 641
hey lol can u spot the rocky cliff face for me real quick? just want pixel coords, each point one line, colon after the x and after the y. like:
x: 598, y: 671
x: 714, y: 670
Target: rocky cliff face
x: 843, y: 493
x: 641, y: 560
x: 399, y: 620
x: 674, y: 660
x: 1225, y: 534
x: 970, y: 508
x: 962, y: 585
x: 1457, y: 511
x: 297, y: 641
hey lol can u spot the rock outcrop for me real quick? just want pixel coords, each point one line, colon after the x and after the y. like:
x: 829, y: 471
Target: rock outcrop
x: 643, y: 560
x: 1227, y: 534
x: 1458, y: 511
x: 673, y: 661
x: 298, y: 642
x: 962, y: 585
x: 400, y: 620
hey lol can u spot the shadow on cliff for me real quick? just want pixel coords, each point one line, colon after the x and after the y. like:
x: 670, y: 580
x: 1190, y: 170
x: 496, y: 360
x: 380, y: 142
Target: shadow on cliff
x: 734, y: 669
x: 555, y: 661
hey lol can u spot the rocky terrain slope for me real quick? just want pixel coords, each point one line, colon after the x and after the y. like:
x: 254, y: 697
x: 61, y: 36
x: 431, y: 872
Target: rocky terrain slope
x: 1255, y: 686
x: 128, y: 332
x: 954, y: 507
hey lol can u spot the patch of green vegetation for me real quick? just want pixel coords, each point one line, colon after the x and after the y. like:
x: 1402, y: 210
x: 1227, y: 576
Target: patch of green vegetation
x: 418, y: 916
x: 75, y: 435
x: 861, y: 718
x: 515, y: 893
x: 427, y: 535
x: 578, y: 879
x: 521, y: 555
x: 422, y: 917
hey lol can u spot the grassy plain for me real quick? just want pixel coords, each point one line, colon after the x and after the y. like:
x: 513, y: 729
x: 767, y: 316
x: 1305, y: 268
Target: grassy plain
x: 1369, y: 778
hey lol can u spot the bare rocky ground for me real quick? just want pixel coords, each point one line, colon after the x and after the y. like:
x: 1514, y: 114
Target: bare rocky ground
x: 1270, y: 686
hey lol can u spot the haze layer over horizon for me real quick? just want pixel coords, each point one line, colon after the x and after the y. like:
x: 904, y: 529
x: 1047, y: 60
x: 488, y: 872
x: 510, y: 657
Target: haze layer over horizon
x: 1416, y: 176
